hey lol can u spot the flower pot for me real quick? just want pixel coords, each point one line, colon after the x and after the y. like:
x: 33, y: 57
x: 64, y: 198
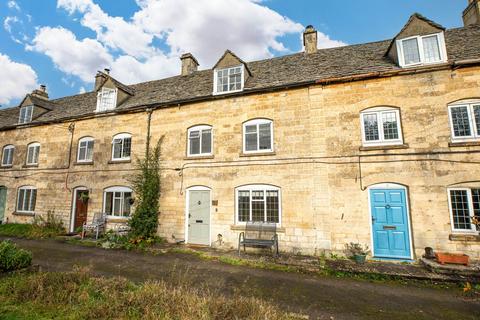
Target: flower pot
x: 360, y: 258
x: 453, y: 258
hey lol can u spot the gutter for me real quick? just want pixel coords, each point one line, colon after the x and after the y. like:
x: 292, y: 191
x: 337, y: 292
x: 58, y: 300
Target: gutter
x: 326, y: 81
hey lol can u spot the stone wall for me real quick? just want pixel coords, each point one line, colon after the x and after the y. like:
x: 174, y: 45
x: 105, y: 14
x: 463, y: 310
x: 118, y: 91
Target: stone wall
x: 317, y: 140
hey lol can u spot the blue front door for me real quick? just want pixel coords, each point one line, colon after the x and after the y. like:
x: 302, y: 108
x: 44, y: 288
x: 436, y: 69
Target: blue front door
x: 391, y: 238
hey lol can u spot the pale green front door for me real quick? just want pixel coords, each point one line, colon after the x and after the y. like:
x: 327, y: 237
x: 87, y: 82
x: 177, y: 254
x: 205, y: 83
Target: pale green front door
x: 3, y: 202
x: 199, y: 217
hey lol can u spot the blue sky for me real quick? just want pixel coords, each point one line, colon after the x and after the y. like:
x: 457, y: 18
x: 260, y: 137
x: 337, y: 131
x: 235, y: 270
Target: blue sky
x: 61, y: 43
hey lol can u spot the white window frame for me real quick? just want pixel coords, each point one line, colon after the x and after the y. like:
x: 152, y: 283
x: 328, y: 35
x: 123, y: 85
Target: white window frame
x: 200, y: 128
x: 378, y: 111
x: 257, y: 122
x: 101, y: 103
x: 24, y: 119
x: 30, y: 204
x: 121, y: 136
x: 441, y: 44
x: 11, y: 153
x: 30, y: 146
x: 470, y: 208
x: 475, y: 135
x: 258, y: 187
x: 116, y: 189
x: 87, y: 140
x: 215, y: 80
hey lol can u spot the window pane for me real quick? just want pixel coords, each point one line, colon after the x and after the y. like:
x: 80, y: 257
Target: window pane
x: 410, y: 51
x: 28, y: 197
x: 251, y: 142
x: 89, y: 155
x: 108, y: 203
x: 460, y: 209
x: 21, y: 199
x: 31, y: 155
x: 370, y: 124
x: 258, y: 206
x: 431, y: 49
x: 460, y: 122
x: 126, y: 204
x: 82, y: 152
x: 476, y: 115
x: 243, y: 206
x: 265, y: 136
x: 272, y: 206
x: 7, y: 157
x: 194, y: 142
x: 33, y: 200
x: 207, y: 141
x: 476, y: 203
x: 390, y: 127
x: 117, y: 148
x: 127, y: 146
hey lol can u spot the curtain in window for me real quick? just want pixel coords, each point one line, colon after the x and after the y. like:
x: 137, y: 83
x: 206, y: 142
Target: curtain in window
x: 411, y: 53
x: 370, y: 124
x: 251, y: 138
x: 431, y: 49
x: 390, y: 127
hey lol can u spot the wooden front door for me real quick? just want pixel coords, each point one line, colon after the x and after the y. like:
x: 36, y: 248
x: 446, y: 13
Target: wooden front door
x: 81, y: 208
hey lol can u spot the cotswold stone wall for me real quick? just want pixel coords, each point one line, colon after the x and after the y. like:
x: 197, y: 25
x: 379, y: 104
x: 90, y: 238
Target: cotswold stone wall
x: 317, y: 140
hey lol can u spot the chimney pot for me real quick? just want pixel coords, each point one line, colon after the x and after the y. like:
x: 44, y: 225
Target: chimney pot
x: 106, y: 70
x: 189, y: 64
x: 310, y: 39
x: 43, y: 88
x: 41, y: 92
x: 471, y: 15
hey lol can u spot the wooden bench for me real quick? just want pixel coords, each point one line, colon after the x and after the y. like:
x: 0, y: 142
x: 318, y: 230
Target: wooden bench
x: 259, y: 235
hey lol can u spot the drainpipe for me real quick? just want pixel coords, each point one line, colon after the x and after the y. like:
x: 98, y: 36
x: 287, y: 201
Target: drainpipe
x: 71, y: 129
x: 149, y: 121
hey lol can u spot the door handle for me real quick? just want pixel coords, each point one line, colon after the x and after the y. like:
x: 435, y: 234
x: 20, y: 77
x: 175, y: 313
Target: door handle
x: 387, y: 206
x: 189, y: 215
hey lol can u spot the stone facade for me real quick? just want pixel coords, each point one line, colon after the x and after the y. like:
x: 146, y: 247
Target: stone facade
x: 317, y: 150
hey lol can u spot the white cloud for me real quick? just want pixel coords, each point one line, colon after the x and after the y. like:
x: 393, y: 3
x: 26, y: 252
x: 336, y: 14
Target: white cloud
x: 324, y: 41
x: 17, y: 79
x: 13, y: 5
x: 78, y: 57
x: 82, y: 90
x: 7, y: 23
x: 148, y: 45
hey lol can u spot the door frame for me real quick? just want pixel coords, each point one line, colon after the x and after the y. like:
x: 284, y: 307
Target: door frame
x: 187, y: 201
x: 74, y: 205
x: 391, y: 186
x: 5, y: 204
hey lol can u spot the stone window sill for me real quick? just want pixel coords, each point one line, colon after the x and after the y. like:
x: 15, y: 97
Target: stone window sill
x: 258, y: 154
x: 6, y: 167
x: 117, y: 220
x: 199, y: 157
x: 464, y: 237
x: 464, y: 144
x: 30, y: 165
x: 388, y: 147
x: 26, y: 214
x: 119, y: 161
x: 86, y: 163
x: 239, y: 227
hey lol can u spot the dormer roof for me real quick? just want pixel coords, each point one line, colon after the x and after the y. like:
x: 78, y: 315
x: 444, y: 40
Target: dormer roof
x: 106, y: 77
x: 230, y: 59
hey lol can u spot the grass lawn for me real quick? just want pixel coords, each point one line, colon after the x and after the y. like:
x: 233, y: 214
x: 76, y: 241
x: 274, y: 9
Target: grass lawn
x: 79, y: 295
x: 29, y: 231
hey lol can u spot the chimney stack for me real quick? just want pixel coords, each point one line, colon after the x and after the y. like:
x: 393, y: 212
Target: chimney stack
x: 310, y: 39
x: 100, y: 76
x: 471, y: 15
x: 41, y: 92
x: 189, y: 64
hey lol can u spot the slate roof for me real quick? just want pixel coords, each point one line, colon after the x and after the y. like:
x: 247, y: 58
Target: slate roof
x: 462, y: 44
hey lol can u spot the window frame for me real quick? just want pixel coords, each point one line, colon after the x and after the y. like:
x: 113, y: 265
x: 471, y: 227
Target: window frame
x: 258, y: 187
x: 441, y: 44
x: 475, y: 135
x: 257, y: 122
x: 215, y: 79
x: 30, y: 146
x: 102, y: 108
x: 378, y: 111
x: 12, y: 154
x: 200, y: 128
x: 23, y: 120
x: 114, y: 189
x: 121, y: 136
x: 473, y: 229
x: 31, y: 205
x: 85, y: 139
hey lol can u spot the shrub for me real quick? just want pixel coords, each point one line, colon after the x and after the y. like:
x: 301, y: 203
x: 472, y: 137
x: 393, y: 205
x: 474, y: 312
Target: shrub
x: 146, y: 184
x: 49, y: 226
x: 13, y: 258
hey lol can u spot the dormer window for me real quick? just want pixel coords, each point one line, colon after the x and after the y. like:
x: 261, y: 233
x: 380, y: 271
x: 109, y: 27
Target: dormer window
x: 106, y: 99
x: 420, y: 50
x: 25, y: 114
x: 228, y: 80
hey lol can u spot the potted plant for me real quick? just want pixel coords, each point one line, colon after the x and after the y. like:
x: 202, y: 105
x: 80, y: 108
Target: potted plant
x: 357, y: 251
